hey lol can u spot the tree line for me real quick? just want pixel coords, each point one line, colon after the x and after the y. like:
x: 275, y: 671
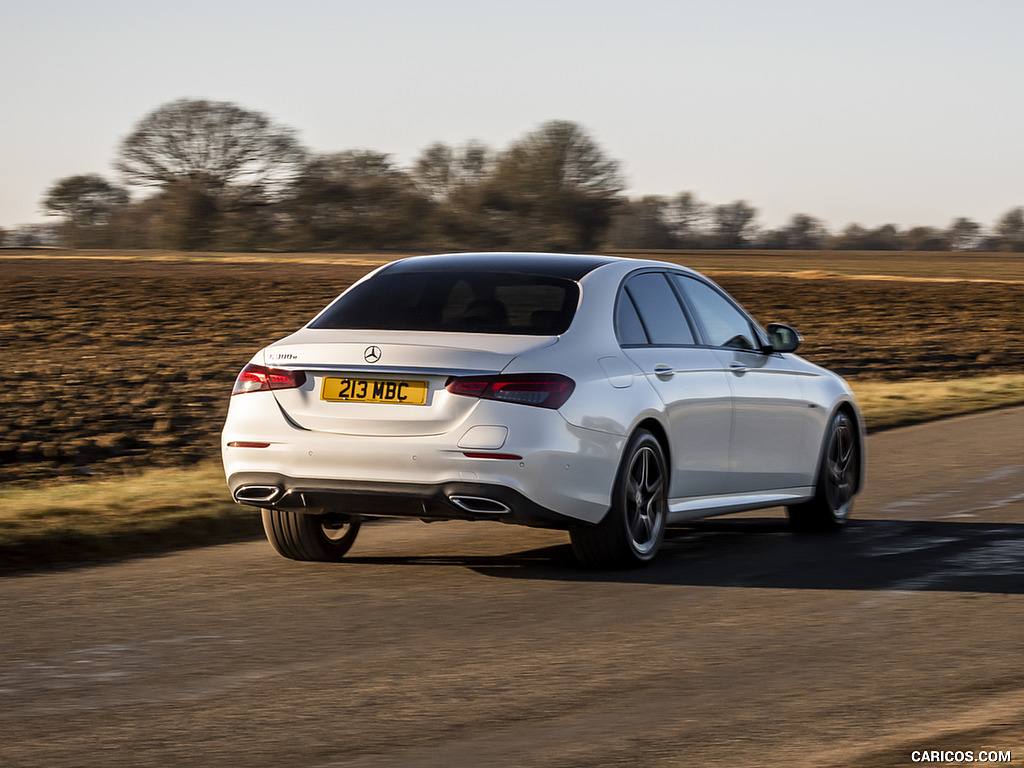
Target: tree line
x: 215, y: 176
x: 683, y: 221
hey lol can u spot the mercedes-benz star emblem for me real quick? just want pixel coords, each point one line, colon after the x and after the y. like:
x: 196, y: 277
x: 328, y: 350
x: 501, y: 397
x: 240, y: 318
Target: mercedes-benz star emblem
x: 371, y: 354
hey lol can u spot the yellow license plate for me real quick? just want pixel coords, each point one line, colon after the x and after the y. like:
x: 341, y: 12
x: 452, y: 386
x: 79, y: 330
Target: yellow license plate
x: 398, y: 391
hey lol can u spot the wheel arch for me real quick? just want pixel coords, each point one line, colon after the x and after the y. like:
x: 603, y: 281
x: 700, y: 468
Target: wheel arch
x: 631, y: 531
x: 657, y: 429
x: 849, y: 408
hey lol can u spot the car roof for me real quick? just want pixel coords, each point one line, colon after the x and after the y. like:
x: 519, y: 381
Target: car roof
x: 564, y: 265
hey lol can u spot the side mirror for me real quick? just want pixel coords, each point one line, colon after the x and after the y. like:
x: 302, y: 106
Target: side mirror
x: 783, y: 338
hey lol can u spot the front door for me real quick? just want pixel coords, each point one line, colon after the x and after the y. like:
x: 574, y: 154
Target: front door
x: 773, y: 423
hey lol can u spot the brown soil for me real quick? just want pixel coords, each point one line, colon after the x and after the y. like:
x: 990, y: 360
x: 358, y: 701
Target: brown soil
x: 890, y: 329
x: 114, y: 365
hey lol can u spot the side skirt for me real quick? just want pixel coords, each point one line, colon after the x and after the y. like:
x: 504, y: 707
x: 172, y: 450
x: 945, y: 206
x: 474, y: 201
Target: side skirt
x: 709, y: 506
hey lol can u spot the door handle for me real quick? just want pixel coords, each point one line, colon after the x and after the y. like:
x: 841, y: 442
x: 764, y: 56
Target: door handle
x: 737, y: 367
x: 663, y: 371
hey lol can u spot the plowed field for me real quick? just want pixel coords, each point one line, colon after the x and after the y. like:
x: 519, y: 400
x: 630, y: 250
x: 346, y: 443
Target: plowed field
x: 113, y: 365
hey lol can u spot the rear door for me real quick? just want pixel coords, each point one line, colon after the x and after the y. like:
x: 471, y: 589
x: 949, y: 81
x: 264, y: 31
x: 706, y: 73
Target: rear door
x: 656, y: 334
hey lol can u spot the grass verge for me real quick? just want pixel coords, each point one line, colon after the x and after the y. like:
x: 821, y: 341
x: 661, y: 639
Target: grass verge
x: 147, y: 513
x: 120, y: 517
x: 888, y: 404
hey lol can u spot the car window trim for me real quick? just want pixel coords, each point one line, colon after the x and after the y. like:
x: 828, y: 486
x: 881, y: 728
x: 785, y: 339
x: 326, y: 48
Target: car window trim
x: 696, y: 328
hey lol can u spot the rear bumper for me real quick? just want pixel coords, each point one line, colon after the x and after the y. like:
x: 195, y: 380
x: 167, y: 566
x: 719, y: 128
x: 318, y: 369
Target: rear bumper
x: 428, y: 501
x: 543, y: 464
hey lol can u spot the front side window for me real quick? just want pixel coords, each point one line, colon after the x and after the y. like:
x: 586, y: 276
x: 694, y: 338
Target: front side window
x: 723, y: 323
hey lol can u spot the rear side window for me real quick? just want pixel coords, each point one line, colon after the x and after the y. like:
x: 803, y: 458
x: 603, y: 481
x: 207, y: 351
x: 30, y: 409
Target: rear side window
x: 659, y: 309
x: 464, y: 302
x: 628, y: 328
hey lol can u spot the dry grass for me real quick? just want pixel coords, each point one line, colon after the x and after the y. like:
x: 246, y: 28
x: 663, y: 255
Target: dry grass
x: 889, y: 404
x: 156, y: 510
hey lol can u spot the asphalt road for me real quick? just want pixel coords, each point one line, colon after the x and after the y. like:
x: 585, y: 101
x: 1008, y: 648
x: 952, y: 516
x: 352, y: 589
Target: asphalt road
x: 458, y: 644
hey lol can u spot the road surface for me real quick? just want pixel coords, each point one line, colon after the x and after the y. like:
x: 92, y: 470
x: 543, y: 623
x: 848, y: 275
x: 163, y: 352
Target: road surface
x: 462, y: 644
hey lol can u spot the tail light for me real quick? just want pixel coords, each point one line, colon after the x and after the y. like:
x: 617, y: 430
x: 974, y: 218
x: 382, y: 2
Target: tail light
x: 545, y: 390
x: 259, y: 378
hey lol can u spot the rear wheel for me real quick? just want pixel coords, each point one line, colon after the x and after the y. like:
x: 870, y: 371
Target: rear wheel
x: 632, y: 531
x: 303, y: 536
x: 837, y: 481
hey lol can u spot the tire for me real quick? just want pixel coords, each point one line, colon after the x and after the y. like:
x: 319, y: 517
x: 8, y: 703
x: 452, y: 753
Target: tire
x: 632, y: 531
x: 304, y: 536
x: 838, y: 476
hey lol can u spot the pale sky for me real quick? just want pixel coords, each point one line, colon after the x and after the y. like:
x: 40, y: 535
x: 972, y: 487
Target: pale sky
x: 872, y: 112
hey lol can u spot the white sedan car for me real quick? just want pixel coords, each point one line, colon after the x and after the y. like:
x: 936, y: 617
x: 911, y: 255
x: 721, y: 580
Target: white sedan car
x: 608, y: 397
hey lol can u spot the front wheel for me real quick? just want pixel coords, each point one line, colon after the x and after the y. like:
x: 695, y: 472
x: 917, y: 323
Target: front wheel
x: 631, y: 533
x: 303, y: 536
x: 837, y: 481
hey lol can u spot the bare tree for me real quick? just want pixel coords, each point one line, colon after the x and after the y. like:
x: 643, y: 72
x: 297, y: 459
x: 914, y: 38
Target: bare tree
x: 924, y: 239
x: 884, y: 238
x: 734, y: 224
x: 688, y: 220
x: 442, y: 171
x: 963, y: 234
x: 850, y: 239
x: 354, y: 199
x: 83, y: 202
x: 214, y: 163
x: 641, y: 223
x: 211, y: 145
x: 802, y: 233
x: 1010, y: 230
x: 556, y: 187
x: 805, y: 233
x: 561, y: 156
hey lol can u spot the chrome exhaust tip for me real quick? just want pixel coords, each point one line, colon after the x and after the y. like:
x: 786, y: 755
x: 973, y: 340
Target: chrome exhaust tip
x: 257, y: 494
x: 479, y: 505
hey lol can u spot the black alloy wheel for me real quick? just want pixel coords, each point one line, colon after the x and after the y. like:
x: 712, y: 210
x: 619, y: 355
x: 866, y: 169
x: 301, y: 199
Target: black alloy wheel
x: 632, y: 531
x: 838, y: 479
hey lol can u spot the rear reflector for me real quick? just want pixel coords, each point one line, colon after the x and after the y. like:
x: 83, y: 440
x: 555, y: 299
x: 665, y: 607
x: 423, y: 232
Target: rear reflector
x: 259, y: 378
x: 244, y: 444
x: 545, y: 390
x: 478, y: 455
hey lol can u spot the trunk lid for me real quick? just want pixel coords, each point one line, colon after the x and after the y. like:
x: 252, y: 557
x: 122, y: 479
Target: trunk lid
x: 387, y: 382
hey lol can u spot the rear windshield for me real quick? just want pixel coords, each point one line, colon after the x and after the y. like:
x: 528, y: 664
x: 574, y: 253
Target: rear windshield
x: 464, y: 302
